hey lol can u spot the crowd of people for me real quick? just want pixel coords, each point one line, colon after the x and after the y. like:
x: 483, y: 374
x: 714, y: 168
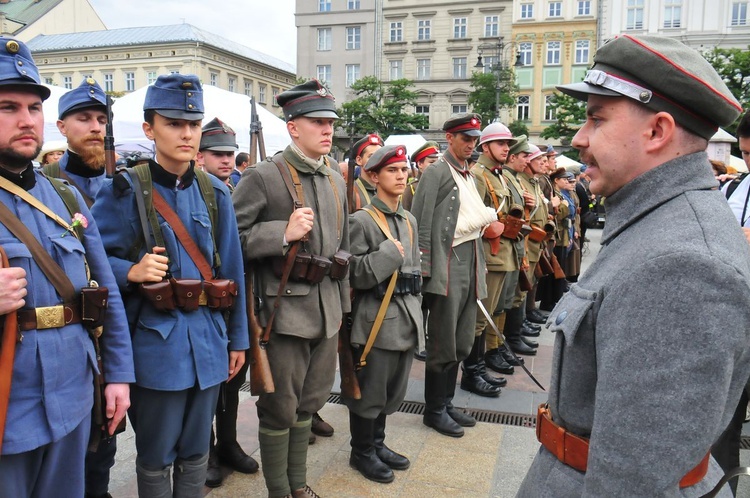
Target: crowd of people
x: 137, y: 287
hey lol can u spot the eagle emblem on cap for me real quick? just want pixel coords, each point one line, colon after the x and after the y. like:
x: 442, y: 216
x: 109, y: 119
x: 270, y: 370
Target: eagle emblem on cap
x: 322, y: 91
x: 374, y: 139
x: 400, y: 151
x: 12, y: 47
x: 474, y: 121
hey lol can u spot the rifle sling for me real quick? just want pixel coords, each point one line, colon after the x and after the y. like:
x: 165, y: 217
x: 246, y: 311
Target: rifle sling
x: 182, y: 235
x: 8, y: 340
x: 142, y: 214
x: 380, y: 221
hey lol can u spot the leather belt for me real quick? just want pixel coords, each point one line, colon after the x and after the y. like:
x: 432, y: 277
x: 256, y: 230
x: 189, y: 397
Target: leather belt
x: 573, y: 450
x: 48, y: 317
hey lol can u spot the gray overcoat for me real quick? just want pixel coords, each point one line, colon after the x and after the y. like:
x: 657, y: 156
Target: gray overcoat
x: 651, y: 348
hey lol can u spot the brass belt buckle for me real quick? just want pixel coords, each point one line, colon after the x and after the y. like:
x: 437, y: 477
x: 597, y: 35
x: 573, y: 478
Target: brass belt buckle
x: 50, y: 317
x: 203, y: 299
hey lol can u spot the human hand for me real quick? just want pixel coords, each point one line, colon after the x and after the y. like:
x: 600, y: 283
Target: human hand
x: 12, y: 289
x: 236, y: 360
x: 300, y: 223
x: 117, y: 397
x: 151, y: 268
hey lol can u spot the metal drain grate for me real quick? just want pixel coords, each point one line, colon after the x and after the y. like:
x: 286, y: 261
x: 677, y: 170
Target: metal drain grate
x: 745, y: 443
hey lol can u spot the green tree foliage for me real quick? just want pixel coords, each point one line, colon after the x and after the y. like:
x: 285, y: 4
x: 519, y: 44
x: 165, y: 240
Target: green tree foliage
x: 381, y: 107
x: 733, y: 65
x: 570, y: 115
x: 483, y: 97
x: 518, y: 128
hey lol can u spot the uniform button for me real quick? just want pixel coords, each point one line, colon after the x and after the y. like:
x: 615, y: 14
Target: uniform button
x: 561, y: 317
x: 453, y: 198
x: 446, y: 229
x: 448, y: 218
x: 455, y: 188
x: 289, y: 291
x: 450, y: 208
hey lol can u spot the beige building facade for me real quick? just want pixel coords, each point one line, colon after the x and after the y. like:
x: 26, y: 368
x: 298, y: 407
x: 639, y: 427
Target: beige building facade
x: 25, y: 19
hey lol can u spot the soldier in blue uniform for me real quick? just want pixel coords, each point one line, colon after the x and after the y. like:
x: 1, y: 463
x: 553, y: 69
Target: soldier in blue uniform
x: 49, y: 415
x: 82, y: 118
x: 183, y: 346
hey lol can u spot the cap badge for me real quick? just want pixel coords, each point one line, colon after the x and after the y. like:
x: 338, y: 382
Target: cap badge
x: 474, y: 121
x: 322, y: 91
x: 400, y: 151
x: 12, y: 47
x: 91, y: 81
x: 374, y: 140
x: 187, y: 84
x: 644, y: 96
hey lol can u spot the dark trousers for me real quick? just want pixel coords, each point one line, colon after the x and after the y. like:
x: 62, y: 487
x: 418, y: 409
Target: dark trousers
x: 226, y: 406
x: 55, y: 469
x: 726, y: 449
x: 98, y: 464
x: 383, y: 383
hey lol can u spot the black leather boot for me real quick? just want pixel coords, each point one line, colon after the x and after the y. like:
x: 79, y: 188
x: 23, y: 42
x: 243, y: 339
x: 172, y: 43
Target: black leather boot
x: 471, y: 379
x: 536, y: 316
x: 214, y: 476
x: 512, y: 332
x: 462, y: 418
x: 495, y: 361
x: 363, y: 457
x: 489, y: 378
x: 389, y: 457
x: 530, y: 343
x: 435, y: 413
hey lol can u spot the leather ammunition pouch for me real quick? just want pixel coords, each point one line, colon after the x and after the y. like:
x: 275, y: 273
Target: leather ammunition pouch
x: 190, y: 294
x: 187, y: 293
x: 313, y: 269
x: 513, y: 222
x: 406, y: 283
x: 340, y: 264
x: 160, y: 294
x: 537, y: 234
x: 492, y: 235
x: 317, y: 269
x: 94, y: 301
x: 220, y: 293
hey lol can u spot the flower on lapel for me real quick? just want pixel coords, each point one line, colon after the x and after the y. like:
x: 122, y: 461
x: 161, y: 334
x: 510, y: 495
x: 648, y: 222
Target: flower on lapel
x: 78, y: 220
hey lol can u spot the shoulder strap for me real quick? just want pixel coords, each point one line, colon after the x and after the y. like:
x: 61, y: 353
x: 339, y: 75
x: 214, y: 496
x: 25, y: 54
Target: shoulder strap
x: 380, y: 220
x: 339, y: 208
x: 49, y: 267
x: 55, y: 171
x: 491, y: 189
x: 734, y: 184
x: 70, y: 201
x: 51, y: 170
x: 182, y: 235
x: 209, y: 197
x: 143, y: 189
x: 36, y: 203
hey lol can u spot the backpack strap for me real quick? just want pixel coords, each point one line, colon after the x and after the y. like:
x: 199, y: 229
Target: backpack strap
x: 209, y: 197
x: 143, y: 187
x: 69, y: 199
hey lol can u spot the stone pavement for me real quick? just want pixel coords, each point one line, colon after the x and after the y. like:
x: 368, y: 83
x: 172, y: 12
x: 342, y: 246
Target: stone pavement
x: 489, y: 461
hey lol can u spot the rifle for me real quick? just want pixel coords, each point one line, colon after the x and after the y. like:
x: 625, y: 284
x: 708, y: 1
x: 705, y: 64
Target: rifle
x: 256, y: 135
x: 261, y: 379
x: 7, y: 354
x: 109, y: 142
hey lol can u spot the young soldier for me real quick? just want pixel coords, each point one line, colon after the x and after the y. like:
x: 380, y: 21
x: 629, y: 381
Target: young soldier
x: 451, y: 215
x: 82, y: 121
x: 186, y: 339
x: 364, y: 190
x: 49, y: 413
x: 303, y: 343
x: 218, y: 143
x: 381, y: 248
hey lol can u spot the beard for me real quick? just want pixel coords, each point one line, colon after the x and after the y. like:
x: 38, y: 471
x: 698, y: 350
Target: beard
x: 92, y: 154
x: 14, y: 160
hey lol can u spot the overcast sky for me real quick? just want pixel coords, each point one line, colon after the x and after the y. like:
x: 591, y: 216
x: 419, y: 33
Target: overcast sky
x: 263, y: 25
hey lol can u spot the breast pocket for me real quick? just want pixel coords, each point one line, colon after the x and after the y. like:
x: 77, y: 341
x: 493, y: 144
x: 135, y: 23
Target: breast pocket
x: 573, y: 313
x: 18, y: 254
x: 204, y: 239
x: 69, y: 254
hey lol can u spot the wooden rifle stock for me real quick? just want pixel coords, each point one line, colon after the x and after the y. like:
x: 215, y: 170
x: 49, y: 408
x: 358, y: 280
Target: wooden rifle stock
x: 349, y: 382
x: 7, y: 354
x: 558, y: 271
x: 261, y: 379
x: 109, y: 142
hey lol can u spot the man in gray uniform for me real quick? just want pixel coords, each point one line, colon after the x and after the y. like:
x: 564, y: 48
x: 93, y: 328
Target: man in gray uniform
x: 377, y: 255
x: 303, y: 342
x: 646, y: 371
x: 450, y: 214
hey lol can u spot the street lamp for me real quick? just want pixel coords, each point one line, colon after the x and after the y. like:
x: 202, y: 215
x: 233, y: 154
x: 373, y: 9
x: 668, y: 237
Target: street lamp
x: 498, y: 67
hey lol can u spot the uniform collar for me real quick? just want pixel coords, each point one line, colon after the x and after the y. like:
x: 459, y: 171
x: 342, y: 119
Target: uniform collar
x: 380, y: 205
x: 169, y: 180
x: 654, y: 188
x: 73, y: 163
x: 455, y: 163
x: 26, y: 179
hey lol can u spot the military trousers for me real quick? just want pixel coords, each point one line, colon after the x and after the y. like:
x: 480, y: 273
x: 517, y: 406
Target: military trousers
x: 495, y: 280
x: 383, y: 383
x: 520, y: 297
x: 303, y: 373
x: 450, y: 326
x: 55, y: 469
x: 171, y: 425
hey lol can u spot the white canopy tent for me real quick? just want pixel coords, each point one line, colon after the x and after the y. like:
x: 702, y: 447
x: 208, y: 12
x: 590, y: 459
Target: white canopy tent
x: 232, y: 108
x: 411, y: 142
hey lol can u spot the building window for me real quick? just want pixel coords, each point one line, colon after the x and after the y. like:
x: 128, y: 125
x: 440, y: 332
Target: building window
x: 231, y: 84
x: 396, y: 69
x: 522, y: 108
x: 129, y: 82
x: 459, y: 68
x: 555, y: 9
x: 151, y: 77
x: 490, y: 63
x: 352, y: 74
x: 423, y: 110
x: 48, y: 80
x: 491, y: 26
x: 635, y: 14
x: 423, y: 29
x: 353, y: 38
x: 397, y: 31
x: 527, y: 11
x: 459, y: 109
x: 248, y: 88
x: 262, y: 93
x: 672, y: 13
x: 324, y: 73
x: 584, y: 7
x: 739, y: 14
x: 423, y: 69
x: 524, y: 50
x: 459, y: 27
x: 352, y: 4
x: 582, y: 51
x: 553, y: 53
x: 324, y: 39
x: 324, y: 5
x: 109, y: 82
x: 275, y: 92
x: 550, y: 110
x: 68, y: 82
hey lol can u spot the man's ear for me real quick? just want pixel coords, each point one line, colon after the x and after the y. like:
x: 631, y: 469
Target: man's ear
x: 663, y: 128
x: 291, y: 127
x: 61, y: 127
x: 148, y: 131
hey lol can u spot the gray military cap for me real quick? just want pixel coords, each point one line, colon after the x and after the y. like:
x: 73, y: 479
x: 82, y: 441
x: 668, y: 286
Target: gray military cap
x: 309, y: 99
x: 664, y: 75
x: 218, y: 136
x: 521, y: 145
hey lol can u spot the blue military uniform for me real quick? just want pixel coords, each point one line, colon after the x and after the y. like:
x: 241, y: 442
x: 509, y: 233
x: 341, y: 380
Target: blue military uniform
x: 181, y: 357
x: 50, y: 405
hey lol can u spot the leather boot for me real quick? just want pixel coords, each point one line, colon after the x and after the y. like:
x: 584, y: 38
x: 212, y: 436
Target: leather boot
x: 508, y: 356
x: 536, y: 316
x: 529, y: 342
x: 471, y: 379
x: 389, y: 457
x: 153, y: 483
x: 495, y: 361
x: 435, y: 413
x: 462, y: 418
x: 233, y: 456
x: 320, y: 427
x: 530, y: 330
x: 214, y: 476
x: 512, y: 332
x: 189, y: 477
x: 489, y: 378
x: 363, y: 456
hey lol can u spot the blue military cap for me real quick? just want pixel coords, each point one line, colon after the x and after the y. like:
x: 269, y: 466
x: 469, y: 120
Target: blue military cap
x: 176, y: 96
x: 17, y: 67
x: 88, y: 94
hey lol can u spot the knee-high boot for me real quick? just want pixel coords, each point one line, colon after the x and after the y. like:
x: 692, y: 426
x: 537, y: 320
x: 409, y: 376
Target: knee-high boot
x: 384, y: 453
x: 512, y: 332
x: 462, y: 418
x: 472, y: 366
x: 435, y: 413
x: 363, y: 456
